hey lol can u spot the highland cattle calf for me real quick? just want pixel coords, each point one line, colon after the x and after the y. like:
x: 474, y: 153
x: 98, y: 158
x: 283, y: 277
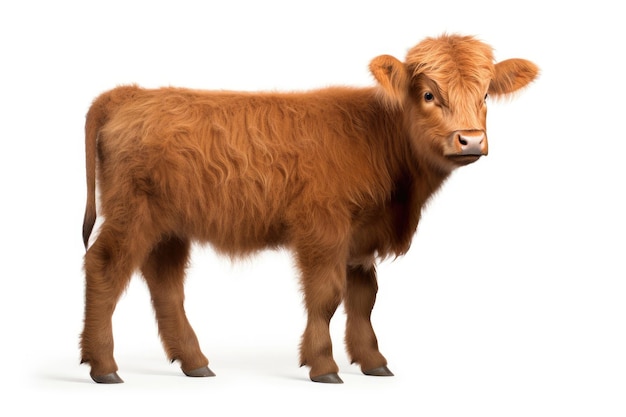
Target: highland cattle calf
x: 338, y: 176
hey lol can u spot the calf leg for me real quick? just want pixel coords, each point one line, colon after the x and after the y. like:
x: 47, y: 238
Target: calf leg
x: 361, y: 341
x: 164, y: 272
x: 321, y: 236
x: 108, y: 267
x: 323, y: 286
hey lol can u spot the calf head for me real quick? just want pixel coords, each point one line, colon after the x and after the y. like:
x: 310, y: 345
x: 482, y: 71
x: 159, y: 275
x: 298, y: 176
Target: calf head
x: 441, y: 90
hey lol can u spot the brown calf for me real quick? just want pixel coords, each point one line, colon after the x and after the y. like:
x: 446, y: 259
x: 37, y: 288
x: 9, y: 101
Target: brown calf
x: 338, y: 175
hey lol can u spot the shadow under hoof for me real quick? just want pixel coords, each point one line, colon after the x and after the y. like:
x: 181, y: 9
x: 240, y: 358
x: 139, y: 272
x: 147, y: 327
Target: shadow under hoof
x: 331, y: 378
x: 380, y: 371
x: 112, y: 378
x: 201, y: 372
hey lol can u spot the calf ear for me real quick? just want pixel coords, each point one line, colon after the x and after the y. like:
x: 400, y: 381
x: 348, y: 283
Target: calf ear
x: 392, y: 77
x: 511, y: 75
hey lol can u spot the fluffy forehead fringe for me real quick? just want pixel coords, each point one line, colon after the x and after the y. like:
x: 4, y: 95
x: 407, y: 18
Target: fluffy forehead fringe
x: 453, y: 60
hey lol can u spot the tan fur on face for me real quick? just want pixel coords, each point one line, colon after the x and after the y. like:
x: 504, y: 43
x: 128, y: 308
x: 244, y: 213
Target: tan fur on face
x: 462, y: 67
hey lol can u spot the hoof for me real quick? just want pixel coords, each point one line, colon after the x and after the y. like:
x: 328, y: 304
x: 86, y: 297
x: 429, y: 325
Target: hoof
x: 112, y: 378
x: 201, y: 372
x: 331, y: 378
x: 380, y: 371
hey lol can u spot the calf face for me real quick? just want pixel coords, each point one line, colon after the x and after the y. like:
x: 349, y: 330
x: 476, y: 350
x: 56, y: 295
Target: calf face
x: 442, y: 90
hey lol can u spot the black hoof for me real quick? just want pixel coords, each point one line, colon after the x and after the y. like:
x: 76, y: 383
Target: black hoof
x: 380, y: 371
x: 201, y: 372
x: 112, y: 378
x: 331, y: 378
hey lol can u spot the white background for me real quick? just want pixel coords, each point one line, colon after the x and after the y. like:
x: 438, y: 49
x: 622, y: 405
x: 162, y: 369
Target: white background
x: 511, y: 301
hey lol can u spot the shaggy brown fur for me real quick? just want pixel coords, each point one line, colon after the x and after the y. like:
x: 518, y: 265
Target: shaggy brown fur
x: 338, y: 175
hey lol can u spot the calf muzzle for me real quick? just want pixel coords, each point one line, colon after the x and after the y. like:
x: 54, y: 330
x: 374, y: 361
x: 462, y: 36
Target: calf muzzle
x: 469, y: 143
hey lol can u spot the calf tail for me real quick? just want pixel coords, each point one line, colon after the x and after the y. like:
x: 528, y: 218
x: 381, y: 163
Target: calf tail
x: 98, y: 114
x: 96, y: 117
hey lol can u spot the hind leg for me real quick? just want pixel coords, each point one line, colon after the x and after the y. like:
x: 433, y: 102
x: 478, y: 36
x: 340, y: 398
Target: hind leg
x: 164, y: 272
x: 109, y: 264
x: 361, y: 341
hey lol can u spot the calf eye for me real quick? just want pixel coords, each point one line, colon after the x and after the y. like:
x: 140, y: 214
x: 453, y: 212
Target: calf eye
x: 486, y: 97
x: 428, y: 96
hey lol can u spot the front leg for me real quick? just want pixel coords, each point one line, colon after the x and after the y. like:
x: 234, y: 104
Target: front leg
x: 323, y: 287
x: 320, y: 236
x: 361, y: 341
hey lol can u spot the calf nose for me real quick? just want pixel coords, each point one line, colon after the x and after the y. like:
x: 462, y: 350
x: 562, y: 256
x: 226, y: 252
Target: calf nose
x: 471, y: 143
